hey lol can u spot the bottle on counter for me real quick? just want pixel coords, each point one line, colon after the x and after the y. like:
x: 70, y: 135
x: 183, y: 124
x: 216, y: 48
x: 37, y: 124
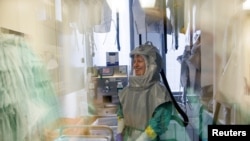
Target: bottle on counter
x: 119, y: 86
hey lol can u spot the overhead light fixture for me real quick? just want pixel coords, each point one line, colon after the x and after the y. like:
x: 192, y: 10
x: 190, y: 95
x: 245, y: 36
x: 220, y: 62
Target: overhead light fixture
x: 147, y: 3
x: 246, y: 5
x: 58, y: 10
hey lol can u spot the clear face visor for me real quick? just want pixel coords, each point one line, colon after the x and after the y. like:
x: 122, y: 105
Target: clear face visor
x: 139, y: 64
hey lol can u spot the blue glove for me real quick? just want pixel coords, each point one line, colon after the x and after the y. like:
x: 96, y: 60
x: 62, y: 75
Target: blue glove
x: 119, y: 137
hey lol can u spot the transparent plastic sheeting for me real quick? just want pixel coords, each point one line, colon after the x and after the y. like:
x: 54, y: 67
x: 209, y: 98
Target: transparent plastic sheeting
x: 27, y: 99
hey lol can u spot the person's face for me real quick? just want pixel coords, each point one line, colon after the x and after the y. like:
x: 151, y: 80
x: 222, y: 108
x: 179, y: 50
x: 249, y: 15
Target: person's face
x: 139, y: 65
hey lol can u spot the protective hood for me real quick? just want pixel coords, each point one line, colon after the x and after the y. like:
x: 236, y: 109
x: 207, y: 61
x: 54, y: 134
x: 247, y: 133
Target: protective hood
x: 144, y: 93
x: 153, y: 66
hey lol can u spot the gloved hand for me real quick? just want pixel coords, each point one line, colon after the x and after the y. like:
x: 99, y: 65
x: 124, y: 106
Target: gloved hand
x: 119, y: 137
x: 143, y: 137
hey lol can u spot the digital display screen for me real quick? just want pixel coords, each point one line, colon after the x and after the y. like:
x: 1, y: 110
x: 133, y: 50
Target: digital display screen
x: 107, y: 71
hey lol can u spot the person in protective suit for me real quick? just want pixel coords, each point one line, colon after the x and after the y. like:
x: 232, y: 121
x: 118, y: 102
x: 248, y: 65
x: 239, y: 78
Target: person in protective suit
x: 145, y: 106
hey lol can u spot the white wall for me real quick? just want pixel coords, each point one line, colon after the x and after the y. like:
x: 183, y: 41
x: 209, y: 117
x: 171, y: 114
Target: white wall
x: 106, y: 42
